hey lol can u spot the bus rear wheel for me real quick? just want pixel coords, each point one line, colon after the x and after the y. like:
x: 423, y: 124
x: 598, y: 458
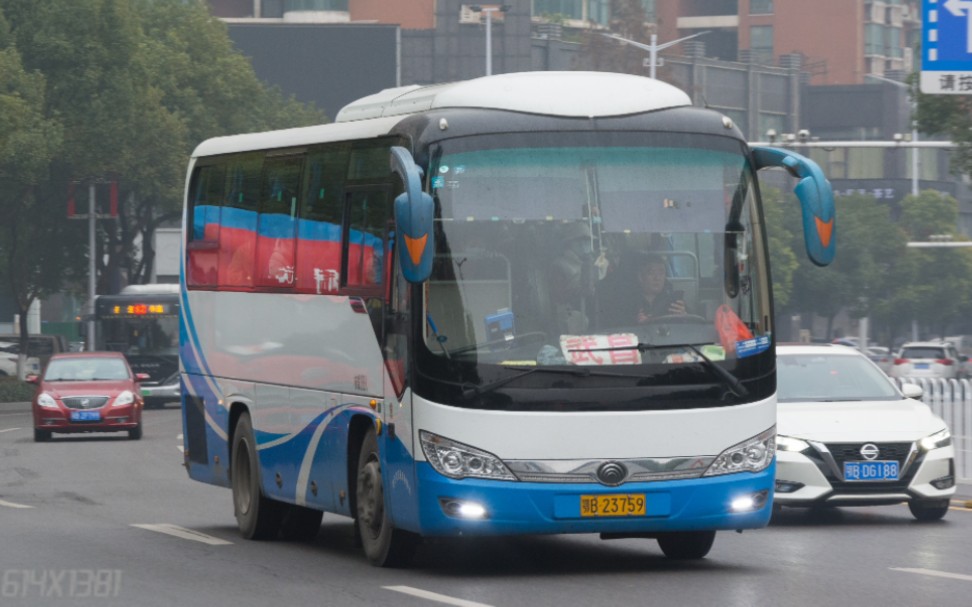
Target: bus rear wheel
x: 686, y: 545
x: 384, y: 546
x: 258, y: 516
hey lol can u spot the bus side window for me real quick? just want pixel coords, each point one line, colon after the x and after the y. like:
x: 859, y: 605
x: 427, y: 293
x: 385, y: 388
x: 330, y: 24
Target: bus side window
x: 368, y: 214
x: 318, y: 261
x: 238, y: 221
x: 202, y: 233
x: 277, y: 223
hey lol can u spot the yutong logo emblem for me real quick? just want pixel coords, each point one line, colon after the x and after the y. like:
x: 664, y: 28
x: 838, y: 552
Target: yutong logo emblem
x: 870, y: 451
x: 611, y: 473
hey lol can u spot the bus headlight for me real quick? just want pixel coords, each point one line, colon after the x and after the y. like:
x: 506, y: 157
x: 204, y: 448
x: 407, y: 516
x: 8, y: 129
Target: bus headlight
x: 751, y: 455
x: 457, y: 460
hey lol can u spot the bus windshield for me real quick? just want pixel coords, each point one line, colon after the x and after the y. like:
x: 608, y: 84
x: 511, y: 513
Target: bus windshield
x: 640, y: 252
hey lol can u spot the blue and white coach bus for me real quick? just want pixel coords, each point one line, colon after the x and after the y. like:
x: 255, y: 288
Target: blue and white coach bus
x: 432, y: 316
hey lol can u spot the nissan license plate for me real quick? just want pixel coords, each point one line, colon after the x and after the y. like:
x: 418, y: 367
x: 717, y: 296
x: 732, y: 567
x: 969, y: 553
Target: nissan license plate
x: 631, y: 504
x: 85, y: 416
x: 871, y: 471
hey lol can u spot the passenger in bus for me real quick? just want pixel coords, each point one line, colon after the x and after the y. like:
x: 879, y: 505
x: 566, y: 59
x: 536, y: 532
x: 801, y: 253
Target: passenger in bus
x: 571, y: 278
x: 656, y: 297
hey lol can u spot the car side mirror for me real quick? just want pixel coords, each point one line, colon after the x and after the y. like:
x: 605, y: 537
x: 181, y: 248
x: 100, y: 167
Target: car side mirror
x: 32, y: 379
x: 912, y: 391
x: 142, y: 376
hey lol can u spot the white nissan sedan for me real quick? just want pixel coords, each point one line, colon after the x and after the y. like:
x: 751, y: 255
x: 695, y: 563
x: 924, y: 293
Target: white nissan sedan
x: 848, y: 437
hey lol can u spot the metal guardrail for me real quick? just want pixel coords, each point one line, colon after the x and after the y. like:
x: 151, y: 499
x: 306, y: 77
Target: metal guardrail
x: 951, y: 399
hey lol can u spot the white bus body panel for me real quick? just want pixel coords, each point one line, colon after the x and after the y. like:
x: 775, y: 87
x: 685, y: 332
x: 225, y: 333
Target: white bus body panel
x: 596, y: 434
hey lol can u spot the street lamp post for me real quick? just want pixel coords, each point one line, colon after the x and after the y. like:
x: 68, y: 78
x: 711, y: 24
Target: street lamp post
x: 91, y: 264
x: 489, y: 10
x: 654, y: 47
x: 915, y: 163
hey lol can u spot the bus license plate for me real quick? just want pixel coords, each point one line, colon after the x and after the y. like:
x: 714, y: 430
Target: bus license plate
x: 632, y: 504
x: 871, y: 471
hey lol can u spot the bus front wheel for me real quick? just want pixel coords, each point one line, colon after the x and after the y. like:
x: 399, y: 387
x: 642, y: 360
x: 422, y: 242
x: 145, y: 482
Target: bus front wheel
x: 686, y: 544
x: 258, y: 516
x: 384, y: 546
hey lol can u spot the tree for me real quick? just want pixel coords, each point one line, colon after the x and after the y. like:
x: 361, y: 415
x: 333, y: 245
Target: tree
x: 863, y: 275
x: 31, y: 267
x: 950, y: 116
x: 783, y: 260
x: 941, y: 283
x: 134, y: 86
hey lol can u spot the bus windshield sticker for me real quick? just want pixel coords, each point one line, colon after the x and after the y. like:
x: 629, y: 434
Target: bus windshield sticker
x: 616, y: 349
x: 753, y: 346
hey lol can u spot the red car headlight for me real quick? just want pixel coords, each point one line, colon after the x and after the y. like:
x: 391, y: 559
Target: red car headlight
x: 125, y: 398
x: 46, y: 400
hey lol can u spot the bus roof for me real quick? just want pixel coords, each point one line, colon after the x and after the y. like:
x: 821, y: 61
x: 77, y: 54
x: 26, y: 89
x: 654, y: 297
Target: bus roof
x: 569, y: 94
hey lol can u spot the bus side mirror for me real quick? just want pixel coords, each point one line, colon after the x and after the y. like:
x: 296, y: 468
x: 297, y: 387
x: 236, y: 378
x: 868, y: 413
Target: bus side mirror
x: 816, y: 199
x: 414, y: 210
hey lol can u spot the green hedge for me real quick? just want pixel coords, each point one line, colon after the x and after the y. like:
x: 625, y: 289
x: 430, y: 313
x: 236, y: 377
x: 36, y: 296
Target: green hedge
x: 13, y: 390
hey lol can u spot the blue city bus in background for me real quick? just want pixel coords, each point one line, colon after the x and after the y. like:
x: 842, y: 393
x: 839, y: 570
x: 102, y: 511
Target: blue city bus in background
x: 424, y: 316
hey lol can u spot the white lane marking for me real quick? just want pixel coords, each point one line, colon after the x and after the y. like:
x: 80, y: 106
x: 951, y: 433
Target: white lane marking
x: 181, y: 446
x: 932, y: 572
x: 8, y: 430
x: 432, y: 596
x: 7, y: 504
x: 183, y: 533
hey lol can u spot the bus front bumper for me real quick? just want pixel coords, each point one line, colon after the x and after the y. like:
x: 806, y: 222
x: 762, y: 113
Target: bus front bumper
x: 450, y: 507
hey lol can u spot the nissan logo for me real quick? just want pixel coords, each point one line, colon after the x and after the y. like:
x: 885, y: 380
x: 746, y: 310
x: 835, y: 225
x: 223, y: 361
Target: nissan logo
x: 611, y: 473
x: 870, y: 451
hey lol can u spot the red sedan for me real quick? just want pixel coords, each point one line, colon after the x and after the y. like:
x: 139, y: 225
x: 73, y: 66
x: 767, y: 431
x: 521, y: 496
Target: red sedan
x: 87, y: 392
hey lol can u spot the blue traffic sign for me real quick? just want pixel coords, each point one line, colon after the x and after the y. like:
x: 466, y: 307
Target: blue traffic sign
x: 946, y: 47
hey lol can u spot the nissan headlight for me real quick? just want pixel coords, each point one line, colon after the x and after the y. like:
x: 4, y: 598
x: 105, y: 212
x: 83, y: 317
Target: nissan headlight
x: 46, y: 400
x: 942, y: 438
x: 788, y: 443
x: 751, y: 455
x: 457, y: 460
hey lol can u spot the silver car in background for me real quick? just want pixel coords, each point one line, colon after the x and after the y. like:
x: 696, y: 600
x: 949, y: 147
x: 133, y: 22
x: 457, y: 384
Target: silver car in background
x: 927, y: 359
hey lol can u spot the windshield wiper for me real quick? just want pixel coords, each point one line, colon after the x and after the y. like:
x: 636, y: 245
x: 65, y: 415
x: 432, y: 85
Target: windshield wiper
x: 731, y: 381
x: 469, y: 392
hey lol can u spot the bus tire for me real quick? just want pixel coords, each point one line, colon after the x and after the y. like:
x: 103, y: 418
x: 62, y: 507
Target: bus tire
x: 258, y: 516
x: 383, y: 545
x: 300, y: 523
x: 686, y: 545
